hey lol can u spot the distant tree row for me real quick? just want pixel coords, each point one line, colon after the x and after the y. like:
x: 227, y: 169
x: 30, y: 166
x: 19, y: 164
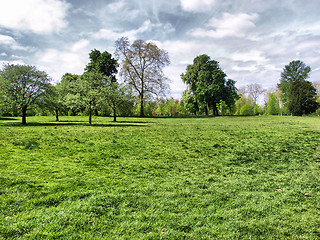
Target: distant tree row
x: 294, y: 95
x: 96, y: 90
x: 142, y: 90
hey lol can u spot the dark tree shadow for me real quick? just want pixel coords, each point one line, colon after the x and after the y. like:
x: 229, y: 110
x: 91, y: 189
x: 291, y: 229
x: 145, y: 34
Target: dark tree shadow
x: 8, y: 119
x: 73, y: 123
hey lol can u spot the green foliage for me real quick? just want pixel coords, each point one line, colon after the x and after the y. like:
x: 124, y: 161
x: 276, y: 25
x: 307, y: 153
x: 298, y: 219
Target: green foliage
x: 302, y: 98
x: 69, y: 93
x: 294, y: 71
x: 23, y: 87
x: 243, y: 100
x: 92, y: 87
x: 222, y: 107
x: 247, y: 110
x: 207, y: 82
x: 273, y: 107
x: 189, y: 102
x: 116, y: 96
x: 168, y: 107
x: 102, y: 63
x: 199, y: 178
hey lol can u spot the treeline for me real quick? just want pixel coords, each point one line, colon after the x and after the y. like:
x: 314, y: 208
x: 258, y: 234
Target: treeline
x: 142, y: 88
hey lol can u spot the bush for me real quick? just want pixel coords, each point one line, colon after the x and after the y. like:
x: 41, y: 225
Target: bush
x: 247, y: 109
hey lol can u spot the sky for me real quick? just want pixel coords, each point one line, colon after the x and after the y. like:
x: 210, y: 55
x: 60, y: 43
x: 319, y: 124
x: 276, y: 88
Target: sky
x: 252, y: 40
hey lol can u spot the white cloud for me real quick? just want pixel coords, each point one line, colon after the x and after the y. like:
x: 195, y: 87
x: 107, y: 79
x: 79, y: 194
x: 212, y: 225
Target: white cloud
x: 116, y: 6
x: 38, y: 16
x: 131, y: 34
x: 230, y: 25
x: 10, y: 42
x: 3, y: 54
x: 253, y: 55
x: 80, y: 45
x: 197, y: 5
x: 71, y: 59
x: 7, y: 40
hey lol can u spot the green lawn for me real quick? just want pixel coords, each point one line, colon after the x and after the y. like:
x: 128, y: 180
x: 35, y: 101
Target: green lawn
x: 193, y: 178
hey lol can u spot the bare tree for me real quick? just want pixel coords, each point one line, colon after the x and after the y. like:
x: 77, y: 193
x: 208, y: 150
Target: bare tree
x: 254, y: 90
x: 141, y: 67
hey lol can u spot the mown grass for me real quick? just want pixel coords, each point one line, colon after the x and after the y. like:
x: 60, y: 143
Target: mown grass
x: 193, y: 178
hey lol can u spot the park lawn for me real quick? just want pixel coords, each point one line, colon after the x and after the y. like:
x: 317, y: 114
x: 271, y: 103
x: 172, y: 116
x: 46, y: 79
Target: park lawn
x: 160, y: 178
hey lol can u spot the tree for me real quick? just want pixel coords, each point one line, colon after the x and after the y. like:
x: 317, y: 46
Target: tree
x: 247, y: 109
x: 23, y: 86
x: 272, y: 104
x: 243, y: 100
x: 141, y: 68
x: 302, y: 98
x: 222, y: 107
x: 53, y: 101
x: 91, y: 86
x: 294, y: 71
x: 103, y: 63
x: 208, y: 83
x: 69, y: 92
x: 231, y: 94
x: 116, y: 95
x: 188, y: 101
x: 254, y: 90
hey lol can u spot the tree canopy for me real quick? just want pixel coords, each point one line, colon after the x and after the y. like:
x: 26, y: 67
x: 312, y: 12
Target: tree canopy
x: 142, y: 68
x: 298, y: 95
x: 302, y: 98
x: 295, y: 71
x: 23, y: 86
x: 208, y: 83
x: 102, y: 63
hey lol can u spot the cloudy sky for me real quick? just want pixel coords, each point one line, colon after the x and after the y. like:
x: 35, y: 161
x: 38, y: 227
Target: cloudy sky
x: 252, y: 40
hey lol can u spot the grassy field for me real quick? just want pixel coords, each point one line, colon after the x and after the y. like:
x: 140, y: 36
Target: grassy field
x: 194, y: 178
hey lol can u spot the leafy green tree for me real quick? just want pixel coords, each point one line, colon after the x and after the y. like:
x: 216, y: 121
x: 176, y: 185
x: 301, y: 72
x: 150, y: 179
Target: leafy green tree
x: 102, y: 63
x: 188, y: 102
x: 23, y: 87
x: 222, y: 107
x: 208, y: 83
x: 116, y: 96
x: 161, y: 109
x: 273, y: 107
x: 141, y: 68
x: 243, y: 100
x: 247, y: 109
x: 92, y: 85
x: 231, y: 94
x: 302, y: 98
x: 69, y: 93
x: 294, y: 71
x: 53, y: 101
x: 317, y: 87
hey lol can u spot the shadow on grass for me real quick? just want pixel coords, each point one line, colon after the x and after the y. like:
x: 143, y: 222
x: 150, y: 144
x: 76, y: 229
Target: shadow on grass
x: 131, y: 122
x: 73, y: 123
x: 8, y: 119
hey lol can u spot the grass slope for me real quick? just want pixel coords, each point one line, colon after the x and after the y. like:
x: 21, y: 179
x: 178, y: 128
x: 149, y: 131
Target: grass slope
x: 200, y: 178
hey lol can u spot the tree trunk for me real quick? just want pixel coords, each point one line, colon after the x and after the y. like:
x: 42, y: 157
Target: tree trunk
x: 114, y: 114
x: 57, y: 115
x: 24, y: 115
x: 215, y: 111
x: 206, y: 110
x: 141, y: 106
x: 90, y: 115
